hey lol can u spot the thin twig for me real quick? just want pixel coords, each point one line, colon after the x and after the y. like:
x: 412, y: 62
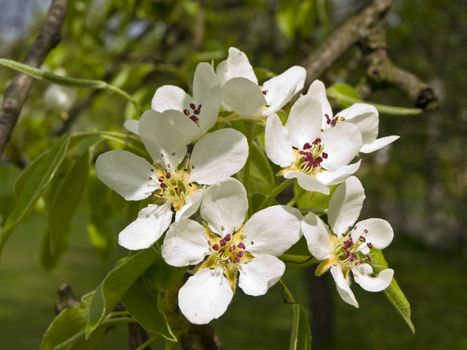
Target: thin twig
x: 17, y: 92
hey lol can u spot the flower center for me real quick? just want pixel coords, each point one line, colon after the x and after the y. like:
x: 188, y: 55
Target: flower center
x: 173, y: 187
x: 347, y: 252
x: 333, y: 121
x: 309, y: 158
x: 193, y: 113
x: 226, y: 253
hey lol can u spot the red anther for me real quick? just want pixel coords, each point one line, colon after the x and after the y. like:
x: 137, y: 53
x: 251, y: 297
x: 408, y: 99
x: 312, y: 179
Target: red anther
x: 369, y: 245
x: 196, y: 111
x: 161, y: 179
x: 333, y: 122
x: 240, y: 253
x: 264, y: 92
x: 302, y: 153
x: 167, y: 175
x: 365, y: 231
x: 346, y: 254
x: 232, y: 248
x: 241, y: 245
x: 348, y: 243
x: 163, y: 185
x: 328, y: 120
x: 319, y: 160
x: 186, y: 112
x: 352, y: 257
x: 237, y: 259
x: 316, y: 141
x: 195, y: 119
x: 192, y: 106
x: 227, y: 237
x: 215, y: 247
x: 306, y: 146
x: 324, y: 155
x: 222, y: 242
x: 362, y: 239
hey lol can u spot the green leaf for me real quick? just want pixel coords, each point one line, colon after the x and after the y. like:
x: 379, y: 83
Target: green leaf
x: 33, y: 186
x: 142, y: 303
x: 163, y: 277
x: 65, y: 204
x: 115, y: 285
x: 300, y: 338
x: 8, y: 176
x: 62, y: 80
x: 393, y: 292
x: 346, y: 95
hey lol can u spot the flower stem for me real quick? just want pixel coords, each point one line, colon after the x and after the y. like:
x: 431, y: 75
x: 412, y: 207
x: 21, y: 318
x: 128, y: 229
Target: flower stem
x: 287, y: 294
x: 274, y: 193
x: 148, y: 342
x: 298, y: 260
x: 301, y: 192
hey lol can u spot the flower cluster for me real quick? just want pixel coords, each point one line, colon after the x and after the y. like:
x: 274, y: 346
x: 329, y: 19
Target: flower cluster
x: 190, y: 193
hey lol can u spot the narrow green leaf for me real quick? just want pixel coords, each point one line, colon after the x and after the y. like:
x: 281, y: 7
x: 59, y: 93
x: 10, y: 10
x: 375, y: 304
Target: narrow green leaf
x: 115, y: 285
x: 142, y: 302
x: 34, y: 185
x: 393, y: 292
x: 300, y: 338
x: 345, y: 95
x: 8, y: 176
x: 65, y: 204
x: 62, y: 80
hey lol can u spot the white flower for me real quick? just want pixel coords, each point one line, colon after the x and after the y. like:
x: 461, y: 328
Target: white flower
x: 225, y: 250
x: 193, y: 116
x: 242, y: 94
x: 59, y: 98
x: 316, y: 158
x: 363, y: 115
x: 344, y: 247
x: 175, y: 181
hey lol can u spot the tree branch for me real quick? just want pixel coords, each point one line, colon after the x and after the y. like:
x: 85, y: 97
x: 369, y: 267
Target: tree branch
x: 17, y: 92
x: 343, y: 38
x: 381, y: 70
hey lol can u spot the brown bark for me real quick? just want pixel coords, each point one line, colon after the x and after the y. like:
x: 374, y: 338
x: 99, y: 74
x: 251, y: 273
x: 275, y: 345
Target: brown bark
x: 17, y: 92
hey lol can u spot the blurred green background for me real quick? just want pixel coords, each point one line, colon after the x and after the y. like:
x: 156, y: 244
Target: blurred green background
x: 418, y: 184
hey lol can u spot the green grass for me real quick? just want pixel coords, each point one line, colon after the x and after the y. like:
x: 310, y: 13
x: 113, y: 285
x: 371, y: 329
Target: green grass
x: 434, y: 282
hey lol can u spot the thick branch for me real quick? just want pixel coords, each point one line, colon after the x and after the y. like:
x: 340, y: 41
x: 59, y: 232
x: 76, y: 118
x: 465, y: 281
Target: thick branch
x: 344, y: 37
x: 17, y: 92
x: 382, y: 71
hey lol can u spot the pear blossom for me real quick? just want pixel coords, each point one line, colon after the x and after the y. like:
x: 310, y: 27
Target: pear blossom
x: 175, y: 180
x: 343, y: 247
x: 242, y: 94
x: 192, y: 115
x: 228, y: 251
x: 314, y: 157
x: 363, y: 115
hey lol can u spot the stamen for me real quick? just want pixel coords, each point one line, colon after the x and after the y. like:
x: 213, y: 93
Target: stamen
x: 241, y: 245
x: 215, y: 247
x: 227, y: 237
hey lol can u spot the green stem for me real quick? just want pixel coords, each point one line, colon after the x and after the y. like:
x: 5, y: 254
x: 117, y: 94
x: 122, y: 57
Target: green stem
x: 299, y: 260
x: 148, y: 342
x: 301, y: 192
x: 287, y: 294
x: 274, y: 193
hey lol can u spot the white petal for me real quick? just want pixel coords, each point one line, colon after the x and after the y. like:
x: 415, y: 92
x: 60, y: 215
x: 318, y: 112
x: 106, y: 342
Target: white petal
x: 343, y: 286
x: 272, y: 230
x: 204, y: 80
x: 243, y: 97
x: 370, y: 283
x: 304, y: 122
x: 259, y: 274
x: 165, y: 143
x: 187, y: 128
x: 218, y: 155
x: 317, y: 236
x: 281, y: 88
x: 365, y: 117
x: 378, y: 144
x: 151, y: 223
x: 204, y: 297
x: 185, y: 243
x: 278, y: 144
x: 127, y: 174
x: 224, y: 206
x: 192, y: 203
x: 236, y: 65
x: 307, y: 182
x: 378, y: 232
x: 132, y: 125
x: 170, y: 97
x: 345, y: 205
x: 337, y: 176
x: 342, y: 143
x: 317, y: 90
